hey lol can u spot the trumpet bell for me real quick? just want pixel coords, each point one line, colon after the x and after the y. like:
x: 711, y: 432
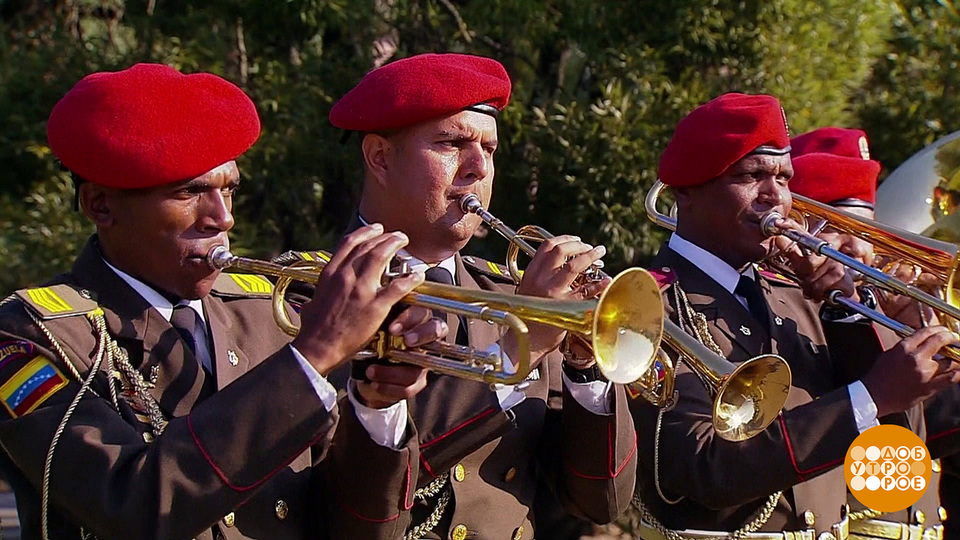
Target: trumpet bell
x: 626, y: 332
x: 751, y: 397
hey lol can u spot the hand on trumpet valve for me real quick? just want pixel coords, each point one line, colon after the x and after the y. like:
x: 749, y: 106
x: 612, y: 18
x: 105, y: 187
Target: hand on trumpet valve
x: 552, y: 272
x: 386, y: 383
x: 349, y: 303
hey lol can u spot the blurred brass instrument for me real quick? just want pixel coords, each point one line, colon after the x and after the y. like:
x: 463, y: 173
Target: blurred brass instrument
x: 624, y: 323
x: 933, y: 256
x: 747, y: 398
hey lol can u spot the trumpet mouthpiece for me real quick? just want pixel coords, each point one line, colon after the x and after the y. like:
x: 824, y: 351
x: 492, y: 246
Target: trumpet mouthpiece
x: 219, y: 257
x: 470, y: 204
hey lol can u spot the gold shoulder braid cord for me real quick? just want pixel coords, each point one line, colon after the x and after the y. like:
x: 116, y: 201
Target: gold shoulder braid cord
x: 118, y: 367
x: 440, y: 483
x: 697, y: 323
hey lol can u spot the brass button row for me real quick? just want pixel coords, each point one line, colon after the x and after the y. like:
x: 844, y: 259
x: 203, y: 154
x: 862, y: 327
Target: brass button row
x: 281, y: 509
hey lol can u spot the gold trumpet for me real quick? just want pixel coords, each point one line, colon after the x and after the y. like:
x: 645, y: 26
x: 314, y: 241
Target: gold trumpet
x: 624, y: 324
x: 934, y: 256
x: 746, y: 397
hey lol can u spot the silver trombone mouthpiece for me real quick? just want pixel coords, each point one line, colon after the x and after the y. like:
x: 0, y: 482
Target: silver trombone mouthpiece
x: 768, y: 223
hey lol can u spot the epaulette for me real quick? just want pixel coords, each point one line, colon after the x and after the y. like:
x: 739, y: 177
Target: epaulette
x: 665, y: 277
x: 56, y: 301
x: 775, y: 277
x: 290, y: 257
x: 243, y: 285
x: 490, y: 269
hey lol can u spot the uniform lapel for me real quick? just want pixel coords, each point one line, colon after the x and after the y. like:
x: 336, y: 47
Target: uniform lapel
x: 780, y: 340
x: 737, y: 333
x: 229, y: 359
x: 154, y: 346
x: 481, y: 334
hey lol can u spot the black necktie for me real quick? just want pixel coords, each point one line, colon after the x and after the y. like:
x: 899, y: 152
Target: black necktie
x: 439, y: 274
x: 186, y: 321
x: 756, y: 303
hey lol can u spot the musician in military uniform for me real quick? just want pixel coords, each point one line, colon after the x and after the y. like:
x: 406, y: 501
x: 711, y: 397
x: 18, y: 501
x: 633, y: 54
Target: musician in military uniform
x: 833, y: 166
x: 729, y: 164
x: 429, y: 134
x: 146, y: 395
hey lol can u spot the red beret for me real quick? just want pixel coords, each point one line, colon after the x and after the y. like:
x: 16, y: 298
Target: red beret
x: 150, y: 125
x: 832, y: 164
x: 716, y: 135
x: 422, y: 87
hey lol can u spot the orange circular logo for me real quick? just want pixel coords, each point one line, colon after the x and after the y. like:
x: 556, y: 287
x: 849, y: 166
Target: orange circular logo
x: 887, y: 468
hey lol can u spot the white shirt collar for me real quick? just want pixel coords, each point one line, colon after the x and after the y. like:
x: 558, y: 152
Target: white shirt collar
x: 711, y: 265
x: 416, y: 265
x: 154, y: 298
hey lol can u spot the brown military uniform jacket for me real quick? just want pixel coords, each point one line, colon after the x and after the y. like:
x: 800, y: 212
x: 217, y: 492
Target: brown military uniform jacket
x: 236, y: 459
x: 721, y: 484
x: 942, y: 415
x: 935, y: 422
x: 493, y: 457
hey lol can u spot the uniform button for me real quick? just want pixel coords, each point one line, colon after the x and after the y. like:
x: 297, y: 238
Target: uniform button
x: 459, y: 532
x: 943, y: 513
x: 229, y: 519
x: 511, y: 474
x: 935, y: 466
x: 826, y: 536
x: 518, y: 534
x: 809, y: 518
x: 919, y: 516
x: 459, y: 472
x: 281, y: 509
x: 147, y: 437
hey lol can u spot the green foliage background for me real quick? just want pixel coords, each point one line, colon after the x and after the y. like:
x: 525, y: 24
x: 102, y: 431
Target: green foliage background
x: 599, y: 87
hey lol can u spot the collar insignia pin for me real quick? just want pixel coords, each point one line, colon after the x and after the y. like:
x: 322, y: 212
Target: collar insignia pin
x: 744, y: 330
x: 232, y: 357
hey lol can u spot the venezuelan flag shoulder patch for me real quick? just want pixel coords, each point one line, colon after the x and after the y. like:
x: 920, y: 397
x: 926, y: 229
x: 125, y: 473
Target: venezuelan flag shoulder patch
x: 30, y: 385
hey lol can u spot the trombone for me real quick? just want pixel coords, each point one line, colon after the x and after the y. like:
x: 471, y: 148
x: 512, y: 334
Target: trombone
x: 625, y: 322
x: 935, y: 256
x: 747, y: 398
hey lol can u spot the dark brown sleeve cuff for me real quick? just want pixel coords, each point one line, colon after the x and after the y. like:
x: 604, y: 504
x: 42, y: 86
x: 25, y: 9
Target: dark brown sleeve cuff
x: 369, y: 487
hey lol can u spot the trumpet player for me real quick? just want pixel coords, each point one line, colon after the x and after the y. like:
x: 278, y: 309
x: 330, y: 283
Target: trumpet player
x: 428, y: 127
x: 729, y: 164
x: 833, y: 166
x: 146, y: 395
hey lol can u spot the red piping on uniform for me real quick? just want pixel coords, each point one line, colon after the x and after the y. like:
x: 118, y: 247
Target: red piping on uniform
x: 223, y: 476
x: 942, y: 434
x: 407, y: 499
x: 611, y: 473
x: 793, y: 458
x: 430, y: 443
x: 423, y: 461
x: 357, y: 515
